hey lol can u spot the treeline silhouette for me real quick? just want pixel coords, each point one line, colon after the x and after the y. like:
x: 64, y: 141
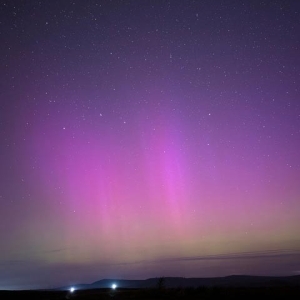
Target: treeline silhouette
x: 221, y: 293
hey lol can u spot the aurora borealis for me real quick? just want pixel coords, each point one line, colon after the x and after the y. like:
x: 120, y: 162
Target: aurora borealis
x: 148, y: 138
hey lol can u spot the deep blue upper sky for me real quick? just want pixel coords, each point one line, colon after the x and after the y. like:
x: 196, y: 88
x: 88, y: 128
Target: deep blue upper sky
x: 148, y: 138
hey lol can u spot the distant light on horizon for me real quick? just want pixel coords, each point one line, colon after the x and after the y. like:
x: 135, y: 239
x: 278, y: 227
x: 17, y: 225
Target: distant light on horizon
x: 113, y: 286
x: 72, y: 289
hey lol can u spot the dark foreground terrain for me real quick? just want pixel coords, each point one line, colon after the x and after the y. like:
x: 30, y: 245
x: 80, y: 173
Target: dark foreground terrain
x: 176, y: 293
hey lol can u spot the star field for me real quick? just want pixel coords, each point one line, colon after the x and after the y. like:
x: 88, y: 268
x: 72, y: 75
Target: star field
x: 150, y: 138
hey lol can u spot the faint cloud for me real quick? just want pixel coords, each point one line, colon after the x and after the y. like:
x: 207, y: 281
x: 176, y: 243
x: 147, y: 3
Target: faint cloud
x: 243, y: 255
x: 278, y: 253
x: 57, y: 250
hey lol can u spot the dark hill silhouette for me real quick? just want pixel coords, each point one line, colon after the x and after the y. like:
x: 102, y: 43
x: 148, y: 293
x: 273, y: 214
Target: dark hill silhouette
x: 181, y: 282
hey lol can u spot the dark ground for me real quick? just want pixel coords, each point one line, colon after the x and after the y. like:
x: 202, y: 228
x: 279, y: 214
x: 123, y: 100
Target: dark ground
x: 179, y: 293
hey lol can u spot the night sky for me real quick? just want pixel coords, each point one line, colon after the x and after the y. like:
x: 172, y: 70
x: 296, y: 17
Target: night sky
x: 148, y: 138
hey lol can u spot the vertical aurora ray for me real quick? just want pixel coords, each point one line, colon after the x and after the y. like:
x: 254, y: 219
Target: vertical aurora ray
x: 140, y: 141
